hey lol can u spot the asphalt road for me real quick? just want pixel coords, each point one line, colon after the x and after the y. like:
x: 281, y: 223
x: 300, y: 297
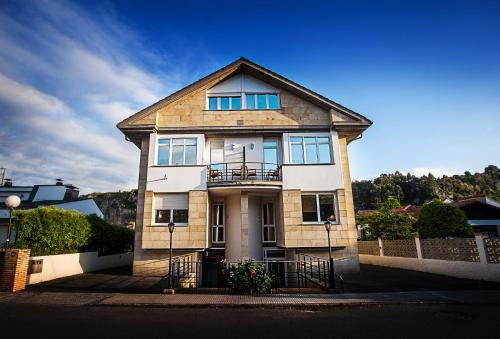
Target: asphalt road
x: 388, y: 321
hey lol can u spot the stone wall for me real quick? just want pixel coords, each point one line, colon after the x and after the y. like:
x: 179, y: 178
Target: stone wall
x: 15, y: 270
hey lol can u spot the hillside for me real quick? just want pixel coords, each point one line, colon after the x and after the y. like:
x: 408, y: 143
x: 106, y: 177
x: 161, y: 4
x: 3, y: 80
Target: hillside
x: 118, y: 207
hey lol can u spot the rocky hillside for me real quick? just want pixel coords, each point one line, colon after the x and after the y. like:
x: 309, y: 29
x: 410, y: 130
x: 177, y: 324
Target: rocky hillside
x: 119, y: 208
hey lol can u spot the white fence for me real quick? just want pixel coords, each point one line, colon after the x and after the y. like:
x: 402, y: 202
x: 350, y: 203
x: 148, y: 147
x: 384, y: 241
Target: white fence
x: 63, y: 265
x: 462, y: 258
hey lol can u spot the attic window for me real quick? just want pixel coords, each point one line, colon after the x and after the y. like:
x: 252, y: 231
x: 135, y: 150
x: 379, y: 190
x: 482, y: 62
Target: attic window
x: 259, y: 101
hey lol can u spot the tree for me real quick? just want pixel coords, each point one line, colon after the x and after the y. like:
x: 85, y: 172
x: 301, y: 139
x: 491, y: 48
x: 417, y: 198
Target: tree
x: 440, y: 220
x: 387, y: 224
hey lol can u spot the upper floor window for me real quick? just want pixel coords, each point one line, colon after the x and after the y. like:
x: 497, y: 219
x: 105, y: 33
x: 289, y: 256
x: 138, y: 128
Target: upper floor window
x: 310, y: 150
x: 253, y: 101
x: 176, y: 151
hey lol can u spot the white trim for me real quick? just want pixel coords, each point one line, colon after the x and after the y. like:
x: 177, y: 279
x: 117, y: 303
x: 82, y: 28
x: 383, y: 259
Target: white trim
x: 318, y: 212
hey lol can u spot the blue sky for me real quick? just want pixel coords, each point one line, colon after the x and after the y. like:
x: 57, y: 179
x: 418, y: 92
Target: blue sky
x: 426, y: 72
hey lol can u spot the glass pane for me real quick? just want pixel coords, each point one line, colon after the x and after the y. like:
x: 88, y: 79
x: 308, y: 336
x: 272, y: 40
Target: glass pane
x: 269, y: 234
x: 261, y: 101
x: 269, y: 143
x: 224, y: 103
x: 264, y: 212
x: 323, y: 140
x: 309, y: 212
x: 164, y: 142
x: 220, y: 234
x: 297, y: 156
x: 235, y: 102
x: 309, y: 139
x: 251, y: 101
x: 324, y: 153
x: 218, y: 215
x: 162, y: 216
x: 177, y: 155
x: 273, y: 101
x: 270, y: 156
x: 212, y: 103
x: 163, y: 154
x: 180, y: 216
x: 296, y: 139
x: 270, y: 209
x: 214, y: 234
x: 191, y: 141
x: 178, y: 141
x: 326, y: 207
x: 190, y: 155
x: 311, y: 157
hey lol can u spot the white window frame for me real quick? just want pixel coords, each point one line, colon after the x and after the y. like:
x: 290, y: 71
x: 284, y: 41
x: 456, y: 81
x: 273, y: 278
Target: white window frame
x: 304, y: 153
x: 273, y: 225
x: 223, y: 223
x: 318, y: 212
x: 218, y: 96
x: 171, y: 144
x: 162, y: 224
x: 255, y: 101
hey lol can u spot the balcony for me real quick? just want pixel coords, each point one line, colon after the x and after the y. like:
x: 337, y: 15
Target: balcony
x: 243, y: 173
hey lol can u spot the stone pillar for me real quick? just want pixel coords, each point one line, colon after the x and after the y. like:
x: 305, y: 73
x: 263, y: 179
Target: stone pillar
x: 481, y: 249
x: 418, y: 245
x: 15, y: 270
x: 244, y: 225
x: 381, y: 247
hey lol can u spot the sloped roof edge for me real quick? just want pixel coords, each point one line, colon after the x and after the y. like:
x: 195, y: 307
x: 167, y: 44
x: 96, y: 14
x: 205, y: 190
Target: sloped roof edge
x: 230, y: 69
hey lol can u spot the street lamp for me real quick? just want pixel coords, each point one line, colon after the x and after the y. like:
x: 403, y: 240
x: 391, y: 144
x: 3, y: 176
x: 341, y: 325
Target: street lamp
x: 171, y: 228
x: 11, y: 203
x: 331, y: 273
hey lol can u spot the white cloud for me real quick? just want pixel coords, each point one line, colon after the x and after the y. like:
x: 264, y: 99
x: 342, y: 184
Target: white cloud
x: 437, y: 172
x: 66, y: 78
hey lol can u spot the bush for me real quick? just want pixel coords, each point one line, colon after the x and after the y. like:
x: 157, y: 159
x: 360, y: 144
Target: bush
x: 109, y: 239
x: 248, y: 278
x: 51, y: 230
x: 387, y: 224
x: 440, y: 220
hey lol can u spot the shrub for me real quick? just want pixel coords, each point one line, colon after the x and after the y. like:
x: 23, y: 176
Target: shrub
x: 51, y: 230
x: 387, y: 224
x: 440, y: 220
x: 248, y: 278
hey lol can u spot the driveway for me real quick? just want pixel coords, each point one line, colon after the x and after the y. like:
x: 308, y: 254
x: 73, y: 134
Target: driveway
x: 369, y: 279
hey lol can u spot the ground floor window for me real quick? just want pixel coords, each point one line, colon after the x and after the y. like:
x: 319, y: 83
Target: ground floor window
x: 218, y: 223
x: 319, y: 207
x: 171, y: 208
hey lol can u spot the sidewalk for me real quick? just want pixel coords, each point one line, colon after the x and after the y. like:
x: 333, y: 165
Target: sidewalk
x: 475, y: 297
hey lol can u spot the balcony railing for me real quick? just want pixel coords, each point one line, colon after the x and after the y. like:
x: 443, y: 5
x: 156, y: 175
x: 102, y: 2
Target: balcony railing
x: 243, y: 171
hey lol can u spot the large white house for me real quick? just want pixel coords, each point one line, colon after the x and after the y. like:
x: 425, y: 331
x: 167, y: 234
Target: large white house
x: 247, y: 164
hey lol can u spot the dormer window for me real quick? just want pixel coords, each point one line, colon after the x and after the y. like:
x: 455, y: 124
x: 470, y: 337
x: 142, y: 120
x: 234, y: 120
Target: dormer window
x: 262, y: 101
x: 258, y: 101
x: 224, y: 102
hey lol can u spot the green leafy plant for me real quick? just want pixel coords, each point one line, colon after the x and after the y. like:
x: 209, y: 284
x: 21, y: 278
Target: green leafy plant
x: 440, y: 220
x: 51, y: 230
x: 248, y: 278
x: 387, y: 224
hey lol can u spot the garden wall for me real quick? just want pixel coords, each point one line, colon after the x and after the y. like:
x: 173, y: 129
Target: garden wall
x: 477, y: 258
x: 63, y: 265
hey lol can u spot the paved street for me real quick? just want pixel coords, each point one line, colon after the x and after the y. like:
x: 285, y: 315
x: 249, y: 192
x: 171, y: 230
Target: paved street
x: 389, y: 321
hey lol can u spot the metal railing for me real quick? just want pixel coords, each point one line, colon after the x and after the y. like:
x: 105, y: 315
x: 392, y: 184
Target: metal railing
x: 243, y: 171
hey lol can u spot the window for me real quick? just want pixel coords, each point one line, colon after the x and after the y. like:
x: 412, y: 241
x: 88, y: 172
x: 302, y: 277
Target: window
x: 318, y: 208
x: 176, y: 151
x: 218, y: 223
x: 310, y: 150
x: 224, y: 102
x: 270, y: 154
x: 171, y: 207
x: 268, y: 227
x: 262, y: 101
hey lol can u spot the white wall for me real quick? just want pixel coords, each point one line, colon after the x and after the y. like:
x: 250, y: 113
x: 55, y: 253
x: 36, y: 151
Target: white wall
x: 87, y: 207
x: 63, y: 265
x: 233, y: 228
x: 458, y: 269
x: 251, y: 155
x: 326, y: 177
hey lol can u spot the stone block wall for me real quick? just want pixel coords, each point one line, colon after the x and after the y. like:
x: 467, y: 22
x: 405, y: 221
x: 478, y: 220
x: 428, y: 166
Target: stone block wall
x: 15, y: 270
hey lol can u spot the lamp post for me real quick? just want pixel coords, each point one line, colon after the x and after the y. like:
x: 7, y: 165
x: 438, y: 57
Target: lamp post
x: 331, y: 273
x: 171, y: 228
x: 11, y: 203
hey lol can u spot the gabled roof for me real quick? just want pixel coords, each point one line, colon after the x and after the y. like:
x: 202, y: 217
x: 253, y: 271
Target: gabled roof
x: 478, y: 199
x: 249, y: 67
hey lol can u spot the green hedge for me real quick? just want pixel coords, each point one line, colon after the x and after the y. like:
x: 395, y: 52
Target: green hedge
x: 51, y: 230
x: 440, y: 220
